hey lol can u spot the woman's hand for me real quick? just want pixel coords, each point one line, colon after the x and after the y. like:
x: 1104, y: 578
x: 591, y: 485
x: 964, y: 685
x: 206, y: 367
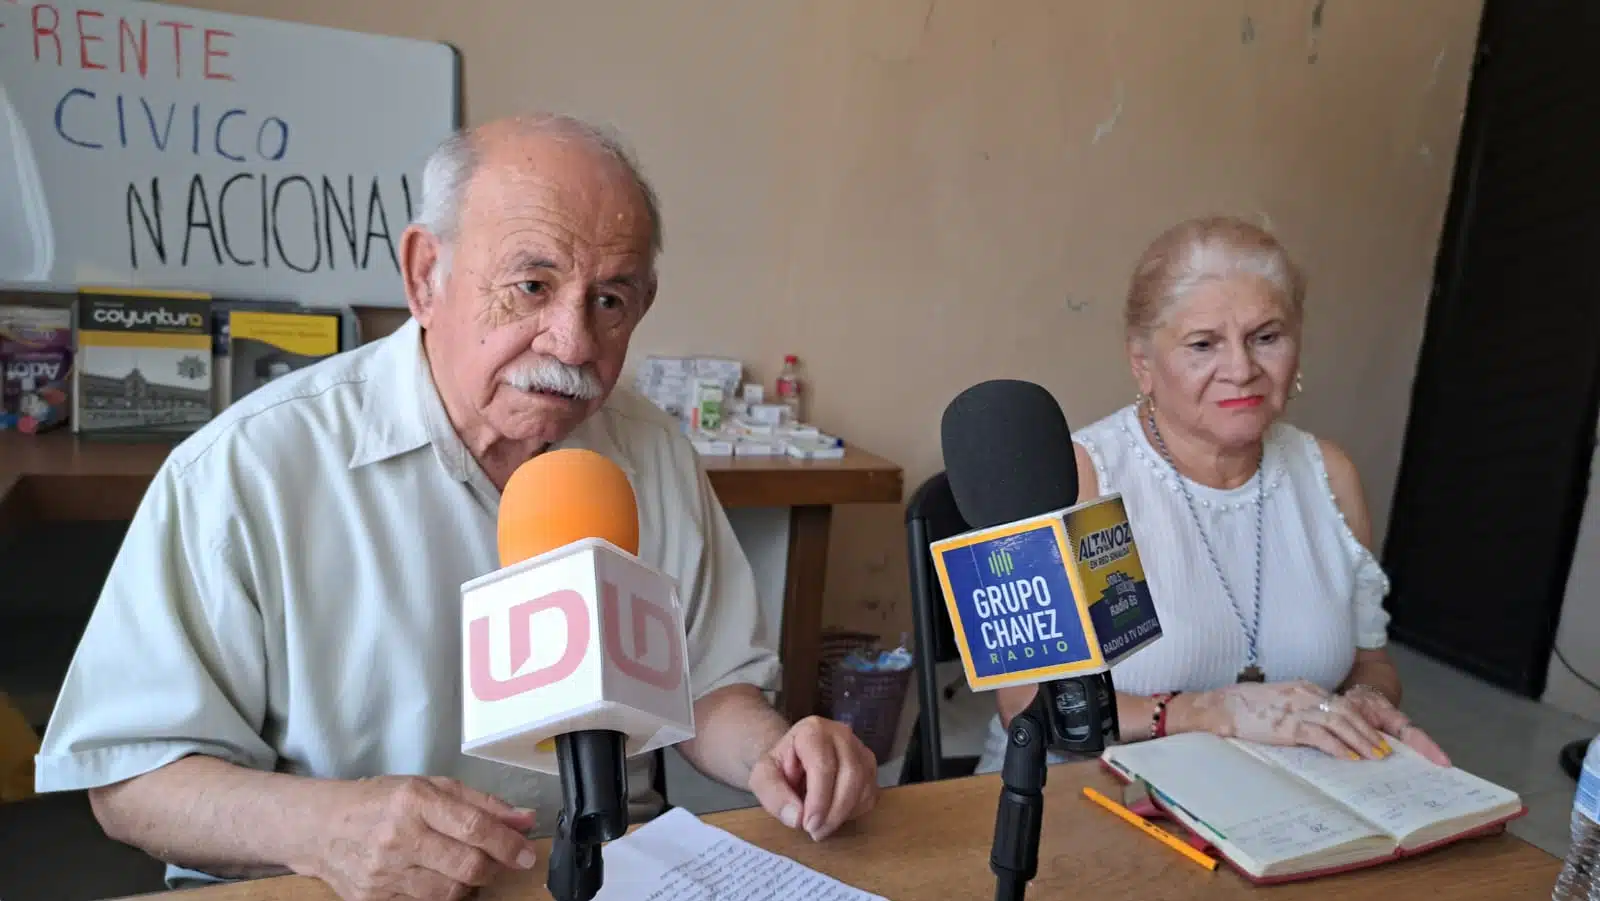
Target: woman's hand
x: 1381, y: 713
x: 1287, y: 713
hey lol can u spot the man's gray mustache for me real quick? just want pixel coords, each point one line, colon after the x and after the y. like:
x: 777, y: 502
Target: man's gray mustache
x: 555, y: 377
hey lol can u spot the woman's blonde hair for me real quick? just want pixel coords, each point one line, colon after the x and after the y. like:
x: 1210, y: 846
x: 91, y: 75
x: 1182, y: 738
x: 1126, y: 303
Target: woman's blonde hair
x: 1209, y: 248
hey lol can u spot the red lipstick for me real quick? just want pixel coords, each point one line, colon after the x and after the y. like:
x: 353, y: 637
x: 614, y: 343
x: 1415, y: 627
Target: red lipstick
x: 1240, y: 403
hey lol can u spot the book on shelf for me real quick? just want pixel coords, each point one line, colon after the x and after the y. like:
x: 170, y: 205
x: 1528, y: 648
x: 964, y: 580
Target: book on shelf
x: 35, y: 367
x: 144, y: 366
x: 1280, y: 814
x: 261, y: 331
x: 264, y: 345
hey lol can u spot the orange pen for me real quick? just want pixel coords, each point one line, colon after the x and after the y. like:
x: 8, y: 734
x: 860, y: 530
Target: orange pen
x: 1151, y: 829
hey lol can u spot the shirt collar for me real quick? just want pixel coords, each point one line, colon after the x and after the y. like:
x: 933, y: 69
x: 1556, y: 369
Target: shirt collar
x: 397, y: 391
x: 401, y: 412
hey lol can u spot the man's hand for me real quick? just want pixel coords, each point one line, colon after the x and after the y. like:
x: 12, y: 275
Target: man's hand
x: 813, y: 775
x: 817, y: 777
x: 430, y: 839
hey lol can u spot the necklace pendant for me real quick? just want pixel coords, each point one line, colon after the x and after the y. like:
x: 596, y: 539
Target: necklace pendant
x: 1252, y: 673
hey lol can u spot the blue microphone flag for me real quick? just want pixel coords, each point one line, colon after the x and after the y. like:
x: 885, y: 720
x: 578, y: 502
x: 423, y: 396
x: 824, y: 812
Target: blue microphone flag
x: 1052, y: 596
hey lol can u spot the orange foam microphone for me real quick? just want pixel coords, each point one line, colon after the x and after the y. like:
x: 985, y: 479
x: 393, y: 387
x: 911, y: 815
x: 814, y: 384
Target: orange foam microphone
x: 562, y: 496
x: 574, y: 652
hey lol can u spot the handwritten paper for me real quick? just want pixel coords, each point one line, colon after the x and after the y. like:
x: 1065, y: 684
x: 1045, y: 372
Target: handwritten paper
x: 1266, y: 813
x: 1402, y: 793
x: 677, y: 857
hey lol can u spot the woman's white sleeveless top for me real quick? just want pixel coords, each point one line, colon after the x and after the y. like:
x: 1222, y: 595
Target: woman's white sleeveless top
x: 1321, y: 590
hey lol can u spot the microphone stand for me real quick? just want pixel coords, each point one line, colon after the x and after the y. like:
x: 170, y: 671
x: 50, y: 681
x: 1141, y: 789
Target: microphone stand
x: 594, y: 810
x: 1078, y: 715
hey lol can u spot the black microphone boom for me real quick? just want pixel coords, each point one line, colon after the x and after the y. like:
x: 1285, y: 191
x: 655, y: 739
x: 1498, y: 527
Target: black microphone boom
x: 1008, y: 456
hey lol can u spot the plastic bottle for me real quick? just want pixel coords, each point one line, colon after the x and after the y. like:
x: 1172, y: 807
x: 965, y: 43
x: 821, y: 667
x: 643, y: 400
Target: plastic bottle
x: 789, y: 387
x: 1580, y: 878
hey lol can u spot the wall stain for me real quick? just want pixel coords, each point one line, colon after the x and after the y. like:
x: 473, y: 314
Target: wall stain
x: 1433, y: 76
x: 1247, y: 31
x: 1105, y: 128
x: 1316, y: 29
x: 1078, y: 306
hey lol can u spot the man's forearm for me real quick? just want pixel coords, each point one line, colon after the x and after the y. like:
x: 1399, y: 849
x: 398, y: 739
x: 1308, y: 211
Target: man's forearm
x: 209, y: 815
x: 735, y: 727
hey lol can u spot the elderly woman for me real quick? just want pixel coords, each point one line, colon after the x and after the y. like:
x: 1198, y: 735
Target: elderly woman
x: 1254, y: 534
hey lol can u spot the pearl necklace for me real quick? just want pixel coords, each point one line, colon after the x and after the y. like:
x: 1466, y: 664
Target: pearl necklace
x: 1252, y: 671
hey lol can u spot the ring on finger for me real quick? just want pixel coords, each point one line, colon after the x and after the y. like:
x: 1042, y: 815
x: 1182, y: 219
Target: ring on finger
x: 1325, y: 707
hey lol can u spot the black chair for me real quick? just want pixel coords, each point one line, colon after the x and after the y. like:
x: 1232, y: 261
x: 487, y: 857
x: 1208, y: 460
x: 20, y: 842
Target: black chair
x: 931, y: 514
x: 1572, y: 758
x: 53, y: 849
x: 658, y: 778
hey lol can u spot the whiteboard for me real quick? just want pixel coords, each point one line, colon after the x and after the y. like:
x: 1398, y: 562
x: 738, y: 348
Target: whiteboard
x: 158, y: 146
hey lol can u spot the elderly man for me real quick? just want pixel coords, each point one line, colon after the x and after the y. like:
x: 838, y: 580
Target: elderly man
x: 269, y: 682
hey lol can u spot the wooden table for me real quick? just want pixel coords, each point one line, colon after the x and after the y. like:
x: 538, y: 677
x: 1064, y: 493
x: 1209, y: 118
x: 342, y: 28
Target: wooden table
x: 931, y: 841
x: 55, y: 476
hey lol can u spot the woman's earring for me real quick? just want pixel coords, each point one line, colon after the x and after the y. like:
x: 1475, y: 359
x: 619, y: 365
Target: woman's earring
x: 1299, y: 386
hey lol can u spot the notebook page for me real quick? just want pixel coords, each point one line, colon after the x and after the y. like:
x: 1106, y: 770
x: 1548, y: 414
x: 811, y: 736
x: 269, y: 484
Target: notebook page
x: 1402, y: 793
x: 1267, y: 814
x: 678, y: 857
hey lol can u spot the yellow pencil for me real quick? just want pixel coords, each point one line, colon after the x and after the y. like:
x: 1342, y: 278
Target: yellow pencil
x: 1150, y: 829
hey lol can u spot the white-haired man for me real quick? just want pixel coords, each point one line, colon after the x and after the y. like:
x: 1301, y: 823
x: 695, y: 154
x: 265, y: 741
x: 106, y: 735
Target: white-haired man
x: 269, y: 680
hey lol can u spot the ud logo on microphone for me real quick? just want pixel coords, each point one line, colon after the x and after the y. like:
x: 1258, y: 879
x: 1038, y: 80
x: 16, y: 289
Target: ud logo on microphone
x: 644, y: 612
x: 520, y: 624
x: 650, y: 627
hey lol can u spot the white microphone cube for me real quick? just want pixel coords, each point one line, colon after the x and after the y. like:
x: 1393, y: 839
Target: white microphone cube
x: 586, y: 636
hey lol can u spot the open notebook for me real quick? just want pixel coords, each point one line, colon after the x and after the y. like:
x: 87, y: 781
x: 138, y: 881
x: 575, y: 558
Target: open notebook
x: 1284, y: 813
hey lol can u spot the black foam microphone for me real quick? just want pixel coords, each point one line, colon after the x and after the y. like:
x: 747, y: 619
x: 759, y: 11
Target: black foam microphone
x: 1042, y: 591
x: 1008, y: 455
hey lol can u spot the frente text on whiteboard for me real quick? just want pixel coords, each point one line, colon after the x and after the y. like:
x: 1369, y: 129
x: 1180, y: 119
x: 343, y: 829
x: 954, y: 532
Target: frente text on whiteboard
x: 241, y: 219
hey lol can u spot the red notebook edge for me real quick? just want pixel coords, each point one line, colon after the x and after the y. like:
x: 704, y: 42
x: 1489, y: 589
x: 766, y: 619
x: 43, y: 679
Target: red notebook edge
x: 1153, y: 809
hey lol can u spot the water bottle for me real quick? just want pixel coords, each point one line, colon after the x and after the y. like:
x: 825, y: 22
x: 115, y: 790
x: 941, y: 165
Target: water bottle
x: 789, y: 387
x: 1580, y: 878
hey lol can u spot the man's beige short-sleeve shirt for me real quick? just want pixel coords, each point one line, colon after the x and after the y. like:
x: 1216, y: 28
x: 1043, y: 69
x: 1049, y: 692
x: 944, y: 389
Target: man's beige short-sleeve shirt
x: 287, y: 595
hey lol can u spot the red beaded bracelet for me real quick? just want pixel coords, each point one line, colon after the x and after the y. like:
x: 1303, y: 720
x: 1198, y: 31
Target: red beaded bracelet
x: 1158, y: 718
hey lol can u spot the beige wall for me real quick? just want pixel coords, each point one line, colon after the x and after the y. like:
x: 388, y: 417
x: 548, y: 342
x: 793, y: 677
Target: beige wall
x: 915, y: 195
